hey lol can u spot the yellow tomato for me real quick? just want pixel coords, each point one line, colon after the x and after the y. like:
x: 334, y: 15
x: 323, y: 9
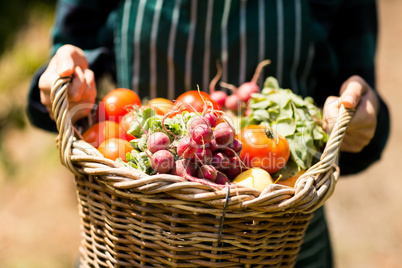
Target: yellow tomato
x: 161, y: 104
x: 255, y: 178
x: 292, y: 180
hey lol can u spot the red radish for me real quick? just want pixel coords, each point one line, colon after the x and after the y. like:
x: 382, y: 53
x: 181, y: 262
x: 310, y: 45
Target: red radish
x: 232, y: 173
x: 218, y: 96
x: 162, y: 161
x: 196, y: 121
x: 207, y: 172
x: 187, y: 170
x: 235, y: 162
x: 158, y: 141
x: 232, y: 149
x: 186, y: 148
x: 184, y: 167
x: 212, y: 145
x: 224, y: 133
x: 233, y: 167
x: 211, y: 118
x: 227, y: 151
x: 234, y: 103
x: 202, y: 134
x: 245, y: 90
x: 221, y: 178
x: 236, y: 145
x: 202, y: 156
x: 220, y: 161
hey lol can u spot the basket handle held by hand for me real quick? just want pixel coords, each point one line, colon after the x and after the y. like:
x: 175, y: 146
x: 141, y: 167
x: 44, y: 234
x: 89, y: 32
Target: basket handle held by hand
x: 321, y: 174
x: 62, y: 117
x: 331, y: 150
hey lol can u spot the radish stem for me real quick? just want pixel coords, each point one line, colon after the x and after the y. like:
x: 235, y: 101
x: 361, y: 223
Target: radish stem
x: 215, y: 80
x: 259, y: 69
x: 228, y: 86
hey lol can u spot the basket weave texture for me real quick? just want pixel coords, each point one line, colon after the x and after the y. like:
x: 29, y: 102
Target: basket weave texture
x: 131, y: 219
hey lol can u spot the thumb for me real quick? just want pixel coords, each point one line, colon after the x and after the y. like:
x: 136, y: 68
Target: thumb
x: 67, y: 58
x: 352, y: 91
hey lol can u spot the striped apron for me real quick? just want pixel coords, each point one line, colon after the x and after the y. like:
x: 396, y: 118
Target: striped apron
x: 166, y: 47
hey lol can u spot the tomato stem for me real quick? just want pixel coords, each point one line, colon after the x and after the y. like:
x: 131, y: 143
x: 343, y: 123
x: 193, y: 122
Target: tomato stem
x: 278, y: 179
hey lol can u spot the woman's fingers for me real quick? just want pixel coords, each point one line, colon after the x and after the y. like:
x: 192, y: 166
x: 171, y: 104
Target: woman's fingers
x: 352, y: 90
x: 67, y: 58
x: 70, y: 61
x: 354, y: 93
x: 330, y: 113
x: 84, y: 94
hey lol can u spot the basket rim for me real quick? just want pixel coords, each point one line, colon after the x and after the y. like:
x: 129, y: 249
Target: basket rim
x: 311, y: 190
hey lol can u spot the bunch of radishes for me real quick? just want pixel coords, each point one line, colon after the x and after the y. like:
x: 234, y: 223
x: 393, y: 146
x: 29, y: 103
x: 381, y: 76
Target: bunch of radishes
x: 208, y: 152
x: 237, y: 101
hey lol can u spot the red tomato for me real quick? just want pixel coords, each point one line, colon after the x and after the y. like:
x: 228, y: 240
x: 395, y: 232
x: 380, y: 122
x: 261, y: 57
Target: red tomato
x: 115, y: 148
x: 194, y: 100
x: 102, y: 131
x: 116, y: 104
x: 263, y: 148
x: 125, y: 125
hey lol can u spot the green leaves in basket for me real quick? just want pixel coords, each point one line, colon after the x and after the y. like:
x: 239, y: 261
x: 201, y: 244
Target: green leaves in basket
x: 139, y: 160
x: 148, y: 122
x: 295, y: 118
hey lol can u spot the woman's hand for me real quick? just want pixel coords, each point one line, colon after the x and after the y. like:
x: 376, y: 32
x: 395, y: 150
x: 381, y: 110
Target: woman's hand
x: 354, y: 93
x: 70, y: 60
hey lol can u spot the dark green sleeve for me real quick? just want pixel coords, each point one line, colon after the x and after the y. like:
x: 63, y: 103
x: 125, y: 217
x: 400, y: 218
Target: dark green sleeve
x: 37, y: 113
x: 347, y: 46
x: 88, y: 25
x: 354, y: 39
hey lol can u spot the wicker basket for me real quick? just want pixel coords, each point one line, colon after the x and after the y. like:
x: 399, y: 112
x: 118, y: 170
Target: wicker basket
x: 130, y: 219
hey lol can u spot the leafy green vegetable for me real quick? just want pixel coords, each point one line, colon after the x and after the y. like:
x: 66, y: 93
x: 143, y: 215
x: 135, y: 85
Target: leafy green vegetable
x: 295, y: 118
x: 140, y: 161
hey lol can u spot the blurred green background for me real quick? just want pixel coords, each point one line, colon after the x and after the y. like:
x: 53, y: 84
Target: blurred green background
x: 39, y: 223
x: 24, y: 27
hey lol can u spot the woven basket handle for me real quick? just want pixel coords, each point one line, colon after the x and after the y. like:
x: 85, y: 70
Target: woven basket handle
x: 66, y: 140
x: 317, y: 184
x: 59, y: 98
x: 321, y: 175
x: 332, y: 148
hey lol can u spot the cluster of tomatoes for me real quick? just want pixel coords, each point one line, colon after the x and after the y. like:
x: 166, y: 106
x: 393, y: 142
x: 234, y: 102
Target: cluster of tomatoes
x: 109, y: 133
x: 261, y: 148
